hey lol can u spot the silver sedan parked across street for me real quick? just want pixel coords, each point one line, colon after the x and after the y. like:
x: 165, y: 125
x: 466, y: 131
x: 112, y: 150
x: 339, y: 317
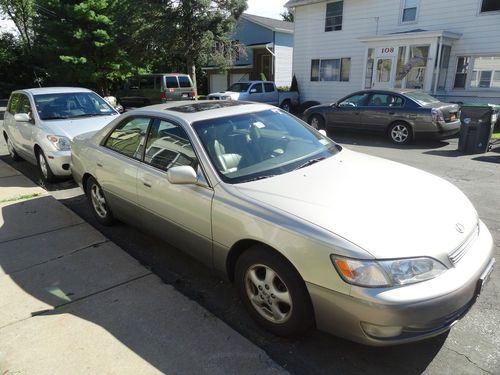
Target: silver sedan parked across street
x: 403, y: 115
x: 309, y: 231
x: 40, y: 123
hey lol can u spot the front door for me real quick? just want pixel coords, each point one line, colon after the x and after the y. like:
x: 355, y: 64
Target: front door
x: 383, y: 74
x: 180, y: 214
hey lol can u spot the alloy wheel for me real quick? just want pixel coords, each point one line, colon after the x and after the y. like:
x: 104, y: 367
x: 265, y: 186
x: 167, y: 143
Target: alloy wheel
x: 315, y: 123
x: 98, y: 201
x: 268, y: 293
x: 400, y: 133
x: 43, y: 165
x: 10, y: 147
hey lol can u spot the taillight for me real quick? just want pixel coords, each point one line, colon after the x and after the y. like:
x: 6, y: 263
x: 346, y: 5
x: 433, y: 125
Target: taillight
x: 193, y: 94
x: 163, y: 95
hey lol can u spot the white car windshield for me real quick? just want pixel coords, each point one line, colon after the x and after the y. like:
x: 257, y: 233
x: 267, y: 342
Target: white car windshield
x: 71, y: 105
x: 263, y: 144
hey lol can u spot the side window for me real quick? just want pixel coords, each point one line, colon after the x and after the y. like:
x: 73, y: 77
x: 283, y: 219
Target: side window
x: 268, y: 87
x: 354, y: 100
x: 184, y: 81
x: 147, y: 83
x: 12, y: 106
x: 128, y: 137
x: 385, y: 100
x: 158, y: 82
x: 168, y: 146
x: 133, y: 83
x: 257, y: 87
x: 23, y: 105
x: 171, y: 82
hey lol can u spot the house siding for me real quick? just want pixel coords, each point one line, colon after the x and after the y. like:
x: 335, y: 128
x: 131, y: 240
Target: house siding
x: 364, y: 18
x: 284, y: 56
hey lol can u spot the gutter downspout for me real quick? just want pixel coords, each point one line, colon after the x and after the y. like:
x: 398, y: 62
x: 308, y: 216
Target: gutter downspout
x: 273, y: 55
x: 440, y: 41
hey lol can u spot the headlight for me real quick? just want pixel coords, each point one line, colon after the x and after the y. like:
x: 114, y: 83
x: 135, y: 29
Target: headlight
x: 384, y: 273
x: 60, y: 143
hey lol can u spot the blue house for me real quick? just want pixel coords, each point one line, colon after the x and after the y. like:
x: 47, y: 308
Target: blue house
x: 267, y: 47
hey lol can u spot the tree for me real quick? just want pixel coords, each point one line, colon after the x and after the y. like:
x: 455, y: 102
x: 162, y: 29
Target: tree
x: 287, y: 16
x: 21, y: 12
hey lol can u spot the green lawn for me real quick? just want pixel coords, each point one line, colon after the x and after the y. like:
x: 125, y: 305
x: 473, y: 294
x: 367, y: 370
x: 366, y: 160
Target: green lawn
x: 496, y: 134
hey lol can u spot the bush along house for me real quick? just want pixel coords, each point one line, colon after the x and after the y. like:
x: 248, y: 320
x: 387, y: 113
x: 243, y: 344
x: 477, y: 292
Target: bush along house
x: 448, y: 49
x: 262, y: 46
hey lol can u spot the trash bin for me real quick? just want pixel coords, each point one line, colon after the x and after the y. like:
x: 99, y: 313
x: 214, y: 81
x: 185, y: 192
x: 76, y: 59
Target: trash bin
x: 477, y: 126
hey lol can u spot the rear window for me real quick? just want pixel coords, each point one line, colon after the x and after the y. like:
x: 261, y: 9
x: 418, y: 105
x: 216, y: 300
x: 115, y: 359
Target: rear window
x: 184, y: 81
x: 171, y: 82
x: 421, y: 97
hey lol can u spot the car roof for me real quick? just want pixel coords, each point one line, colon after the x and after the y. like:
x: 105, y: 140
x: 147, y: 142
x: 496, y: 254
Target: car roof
x: 393, y: 91
x: 53, y: 90
x: 202, y: 109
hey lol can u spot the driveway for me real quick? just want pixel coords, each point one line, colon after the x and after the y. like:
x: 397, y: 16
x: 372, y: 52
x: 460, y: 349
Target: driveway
x: 472, y: 346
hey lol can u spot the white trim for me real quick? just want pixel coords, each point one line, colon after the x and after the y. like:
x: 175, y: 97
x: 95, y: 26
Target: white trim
x: 412, y: 35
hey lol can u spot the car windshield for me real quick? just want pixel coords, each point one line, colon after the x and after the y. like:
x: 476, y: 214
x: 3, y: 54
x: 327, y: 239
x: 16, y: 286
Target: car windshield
x: 71, y: 105
x: 239, y: 87
x: 421, y: 97
x: 263, y: 144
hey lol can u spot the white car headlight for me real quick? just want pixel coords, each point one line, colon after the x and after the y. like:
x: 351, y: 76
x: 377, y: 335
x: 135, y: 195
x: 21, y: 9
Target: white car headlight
x: 59, y: 142
x: 385, y: 273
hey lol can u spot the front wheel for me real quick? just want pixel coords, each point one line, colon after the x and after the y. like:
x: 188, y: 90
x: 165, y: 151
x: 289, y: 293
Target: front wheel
x: 286, y: 106
x: 400, y: 133
x: 44, y: 167
x: 98, y: 204
x: 317, y: 122
x: 273, y: 292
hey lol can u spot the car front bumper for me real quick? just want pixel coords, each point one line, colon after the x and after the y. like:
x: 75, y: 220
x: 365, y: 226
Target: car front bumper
x: 449, y: 298
x: 59, y: 162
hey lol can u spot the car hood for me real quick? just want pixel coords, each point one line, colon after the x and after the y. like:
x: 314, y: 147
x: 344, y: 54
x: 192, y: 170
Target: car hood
x: 388, y: 209
x: 233, y: 95
x: 70, y: 128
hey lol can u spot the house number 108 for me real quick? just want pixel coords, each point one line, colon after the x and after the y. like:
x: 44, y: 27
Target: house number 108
x: 388, y: 50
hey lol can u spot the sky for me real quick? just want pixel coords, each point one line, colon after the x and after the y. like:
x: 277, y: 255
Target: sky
x: 266, y: 8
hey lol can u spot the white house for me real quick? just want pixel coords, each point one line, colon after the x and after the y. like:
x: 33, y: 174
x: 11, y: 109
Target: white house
x: 450, y: 49
x: 268, y: 45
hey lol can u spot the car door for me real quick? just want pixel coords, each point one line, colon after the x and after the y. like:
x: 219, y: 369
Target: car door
x: 118, y: 162
x: 381, y: 110
x: 346, y: 112
x: 24, y: 131
x: 181, y: 214
x: 270, y: 95
x: 256, y: 92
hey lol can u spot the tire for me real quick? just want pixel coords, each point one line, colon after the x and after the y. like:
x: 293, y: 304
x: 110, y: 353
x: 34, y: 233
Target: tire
x: 317, y: 122
x: 280, y: 304
x: 97, y: 202
x: 286, y: 106
x: 12, y: 151
x: 400, y: 133
x: 44, y: 167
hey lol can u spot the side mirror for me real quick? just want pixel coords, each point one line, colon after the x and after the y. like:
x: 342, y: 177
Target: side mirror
x: 119, y: 108
x: 182, y: 175
x: 22, y: 117
x: 253, y: 91
x: 335, y: 105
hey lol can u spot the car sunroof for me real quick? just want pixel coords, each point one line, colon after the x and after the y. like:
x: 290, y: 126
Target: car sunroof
x: 205, y: 106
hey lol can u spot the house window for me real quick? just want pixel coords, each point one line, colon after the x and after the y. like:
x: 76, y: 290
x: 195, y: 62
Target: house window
x: 333, y: 20
x: 331, y: 69
x: 409, y: 13
x: 490, y: 6
x: 417, y: 66
x: 485, y: 72
x: 461, y: 74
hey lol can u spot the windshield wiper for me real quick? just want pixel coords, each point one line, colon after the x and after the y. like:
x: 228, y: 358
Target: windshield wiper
x: 91, y: 115
x: 55, y: 118
x: 310, y: 162
x: 259, y: 178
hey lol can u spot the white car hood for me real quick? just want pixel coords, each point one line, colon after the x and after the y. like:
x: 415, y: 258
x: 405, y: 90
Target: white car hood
x: 70, y: 128
x: 388, y: 209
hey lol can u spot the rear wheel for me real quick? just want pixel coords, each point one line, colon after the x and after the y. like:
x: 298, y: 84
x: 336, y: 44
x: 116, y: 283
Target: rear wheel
x: 12, y: 151
x: 98, y: 204
x: 317, y: 122
x: 286, y: 106
x: 273, y: 292
x: 400, y: 133
x: 44, y: 167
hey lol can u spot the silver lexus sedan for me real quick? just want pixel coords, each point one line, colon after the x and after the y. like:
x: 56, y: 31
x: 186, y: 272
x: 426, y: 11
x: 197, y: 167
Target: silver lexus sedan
x: 308, y: 231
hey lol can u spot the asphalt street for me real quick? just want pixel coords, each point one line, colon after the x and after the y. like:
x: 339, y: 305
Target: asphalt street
x: 472, y: 346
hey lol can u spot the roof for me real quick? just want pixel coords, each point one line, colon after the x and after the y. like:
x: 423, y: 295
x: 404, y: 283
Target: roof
x: 202, y: 109
x: 270, y: 23
x: 412, y: 34
x: 54, y: 90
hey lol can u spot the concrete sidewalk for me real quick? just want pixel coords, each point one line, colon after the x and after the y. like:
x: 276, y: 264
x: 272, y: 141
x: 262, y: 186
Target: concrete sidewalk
x: 72, y: 302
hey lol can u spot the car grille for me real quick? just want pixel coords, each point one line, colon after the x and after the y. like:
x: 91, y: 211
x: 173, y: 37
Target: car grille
x: 461, y: 250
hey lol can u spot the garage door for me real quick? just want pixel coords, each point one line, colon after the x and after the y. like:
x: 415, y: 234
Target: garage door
x: 239, y: 77
x: 218, y: 82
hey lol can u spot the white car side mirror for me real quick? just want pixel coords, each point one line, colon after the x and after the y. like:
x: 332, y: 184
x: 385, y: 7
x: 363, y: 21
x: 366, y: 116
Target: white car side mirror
x: 182, y: 175
x: 22, y: 117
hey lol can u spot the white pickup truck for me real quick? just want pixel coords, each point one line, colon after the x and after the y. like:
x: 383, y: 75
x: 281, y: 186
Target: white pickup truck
x: 258, y: 91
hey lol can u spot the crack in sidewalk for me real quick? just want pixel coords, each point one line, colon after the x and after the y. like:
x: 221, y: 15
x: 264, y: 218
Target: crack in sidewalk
x: 468, y: 359
x: 48, y: 231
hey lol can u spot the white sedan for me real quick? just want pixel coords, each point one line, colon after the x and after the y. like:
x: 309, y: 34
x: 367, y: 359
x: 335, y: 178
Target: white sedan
x: 40, y: 123
x: 310, y: 232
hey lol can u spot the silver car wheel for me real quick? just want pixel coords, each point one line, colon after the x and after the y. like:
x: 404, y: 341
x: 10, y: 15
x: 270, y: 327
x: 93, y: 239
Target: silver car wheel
x: 10, y: 147
x: 315, y: 122
x: 268, y: 294
x: 286, y: 106
x: 98, y: 201
x: 43, y: 165
x: 399, y: 133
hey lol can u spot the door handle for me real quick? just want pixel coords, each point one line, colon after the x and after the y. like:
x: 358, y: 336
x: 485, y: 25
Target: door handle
x: 147, y: 184
x: 99, y: 164
x: 392, y: 113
